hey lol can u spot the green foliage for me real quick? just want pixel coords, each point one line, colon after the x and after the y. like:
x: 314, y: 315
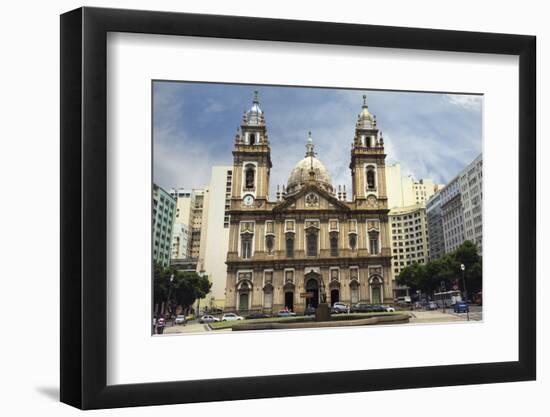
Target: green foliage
x: 179, y: 287
x: 428, y: 277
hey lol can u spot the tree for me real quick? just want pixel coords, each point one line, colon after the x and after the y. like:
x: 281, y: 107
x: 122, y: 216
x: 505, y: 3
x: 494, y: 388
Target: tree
x: 428, y: 277
x: 182, y: 288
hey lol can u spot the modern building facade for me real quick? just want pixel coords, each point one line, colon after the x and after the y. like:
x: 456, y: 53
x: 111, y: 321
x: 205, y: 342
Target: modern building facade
x: 404, y: 191
x: 434, y: 215
x: 452, y: 215
x: 180, y: 240
x: 471, y: 190
x: 164, y: 209
x: 409, y: 239
x: 215, y: 234
x: 310, y: 242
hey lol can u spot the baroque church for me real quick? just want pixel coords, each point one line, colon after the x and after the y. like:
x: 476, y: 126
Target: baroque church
x: 312, y: 241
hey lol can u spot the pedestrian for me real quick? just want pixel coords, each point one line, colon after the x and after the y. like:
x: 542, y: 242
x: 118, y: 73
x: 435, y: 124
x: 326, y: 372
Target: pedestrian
x: 161, y: 323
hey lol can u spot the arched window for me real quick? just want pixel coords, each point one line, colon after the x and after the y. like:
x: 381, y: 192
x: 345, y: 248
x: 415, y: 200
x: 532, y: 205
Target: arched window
x: 250, y: 174
x: 246, y: 245
x: 334, y: 244
x: 311, y: 242
x: 371, y: 181
x: 251, y: 138
x: 290, y: 245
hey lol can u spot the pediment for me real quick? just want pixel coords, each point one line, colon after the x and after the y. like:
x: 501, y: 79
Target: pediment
x: 311, y: 197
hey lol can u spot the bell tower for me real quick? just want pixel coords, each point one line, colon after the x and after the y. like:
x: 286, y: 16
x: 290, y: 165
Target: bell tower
x: 367, y: 158
x: 251, y: 159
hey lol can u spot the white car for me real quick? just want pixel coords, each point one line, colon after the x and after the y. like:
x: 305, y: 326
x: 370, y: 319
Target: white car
x: 207, y: 318
x: 180, y: 320
x: 389, y: 309
x: 231, y: 317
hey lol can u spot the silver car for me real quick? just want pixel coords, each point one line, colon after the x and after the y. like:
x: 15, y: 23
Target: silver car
x: 207, y: 318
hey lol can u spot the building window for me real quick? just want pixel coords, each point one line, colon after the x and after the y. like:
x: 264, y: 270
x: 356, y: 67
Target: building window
x: 373, y: 243
x: 269, y: 243
x: 353, y: 241
x: 371, y: 182
x: 251, y: 138
x: 311, y: 242
x: 246, y: 245
x: 250, y: 173
x: 290, y: 245
x: 334, y: 244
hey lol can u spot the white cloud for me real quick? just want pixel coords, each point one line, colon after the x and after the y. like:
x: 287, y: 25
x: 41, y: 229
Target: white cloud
x: 467, y: 102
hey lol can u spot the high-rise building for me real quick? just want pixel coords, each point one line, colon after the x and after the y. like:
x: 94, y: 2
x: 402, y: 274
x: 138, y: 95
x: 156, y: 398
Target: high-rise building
x: 434, y: 216
x: 409, y: 239
x: 404, y: 191
x: 180, y: 238
x: 215, y: 234
x: 189, y: 213
x: 164, y: 209
x: 471, y: 191
x: 452, y: 215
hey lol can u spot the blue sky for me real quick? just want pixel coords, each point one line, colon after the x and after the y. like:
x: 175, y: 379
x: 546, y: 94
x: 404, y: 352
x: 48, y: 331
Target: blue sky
x: 432, y: 135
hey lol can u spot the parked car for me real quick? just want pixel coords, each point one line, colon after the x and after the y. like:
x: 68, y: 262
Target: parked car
x: 431, y: 306
x: 361, y: 308
x: 207, y: 318
x: 180, y: 319
x: 339, y: 308
x: 388, y: 309
x: 257, y: 315
x: 461, y: 307
x: 285, y: 313
x: 309, y: 311
x: 378, y: 308
x: 231, y: 317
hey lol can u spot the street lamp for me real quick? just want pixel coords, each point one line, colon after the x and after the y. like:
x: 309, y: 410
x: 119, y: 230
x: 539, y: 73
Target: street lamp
x: 463, y: 268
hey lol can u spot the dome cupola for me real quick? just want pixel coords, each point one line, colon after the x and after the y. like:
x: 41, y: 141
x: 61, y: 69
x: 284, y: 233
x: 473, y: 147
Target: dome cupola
x: 309, y: 169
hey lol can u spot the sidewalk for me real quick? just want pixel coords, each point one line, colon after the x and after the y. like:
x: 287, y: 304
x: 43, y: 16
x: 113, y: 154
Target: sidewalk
x: 434, y: 316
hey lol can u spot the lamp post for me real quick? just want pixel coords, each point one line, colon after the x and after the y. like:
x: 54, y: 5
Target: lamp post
x: 169, y: 300
x: 463, y: 268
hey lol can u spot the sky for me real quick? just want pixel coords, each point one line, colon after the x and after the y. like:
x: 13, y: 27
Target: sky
x: 432, y: 135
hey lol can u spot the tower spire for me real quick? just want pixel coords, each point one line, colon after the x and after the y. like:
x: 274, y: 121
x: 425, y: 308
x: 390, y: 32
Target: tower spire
x: 310, y: 148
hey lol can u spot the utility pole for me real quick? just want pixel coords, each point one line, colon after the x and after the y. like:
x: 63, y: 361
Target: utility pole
x: 463, y: 268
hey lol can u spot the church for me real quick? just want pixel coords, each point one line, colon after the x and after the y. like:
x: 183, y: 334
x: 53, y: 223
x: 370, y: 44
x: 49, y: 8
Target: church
x: 312, y: 241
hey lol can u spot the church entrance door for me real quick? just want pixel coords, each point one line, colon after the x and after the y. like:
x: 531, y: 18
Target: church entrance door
x: 289, y: 300
x: 334, y: 296
x: 376, y: 296
x: 243, y: 301
x: 312, y: 286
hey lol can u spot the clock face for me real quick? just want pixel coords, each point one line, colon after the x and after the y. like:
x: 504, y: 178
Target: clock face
x: 248, y: 200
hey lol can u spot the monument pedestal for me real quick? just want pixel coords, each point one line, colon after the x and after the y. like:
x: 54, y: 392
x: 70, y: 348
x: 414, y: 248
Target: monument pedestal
x: 322, y: 312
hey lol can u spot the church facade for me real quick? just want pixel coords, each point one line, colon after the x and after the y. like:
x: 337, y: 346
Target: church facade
x: 311, y: 241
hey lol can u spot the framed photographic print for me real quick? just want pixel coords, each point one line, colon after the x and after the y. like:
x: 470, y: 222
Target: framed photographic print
x: 259, y: 208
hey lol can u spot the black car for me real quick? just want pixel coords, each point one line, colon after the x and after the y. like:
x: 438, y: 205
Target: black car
x: 362, y: 308
x: 253, y: 316
x: 378, y: 309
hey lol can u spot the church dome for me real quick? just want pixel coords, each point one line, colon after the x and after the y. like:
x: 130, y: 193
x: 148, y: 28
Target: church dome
x: 365, y: 120
x: 255, y: 115
x: 301, y: 173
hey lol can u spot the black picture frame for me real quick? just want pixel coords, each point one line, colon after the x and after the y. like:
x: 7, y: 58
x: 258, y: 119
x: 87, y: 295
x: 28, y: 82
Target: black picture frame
x: 84, y: 207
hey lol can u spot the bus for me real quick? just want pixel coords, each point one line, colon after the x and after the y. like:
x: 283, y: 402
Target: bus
x: 447, y: 298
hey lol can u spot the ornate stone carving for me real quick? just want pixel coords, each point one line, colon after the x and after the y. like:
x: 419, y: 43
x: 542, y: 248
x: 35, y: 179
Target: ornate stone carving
x: 312, y: 200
